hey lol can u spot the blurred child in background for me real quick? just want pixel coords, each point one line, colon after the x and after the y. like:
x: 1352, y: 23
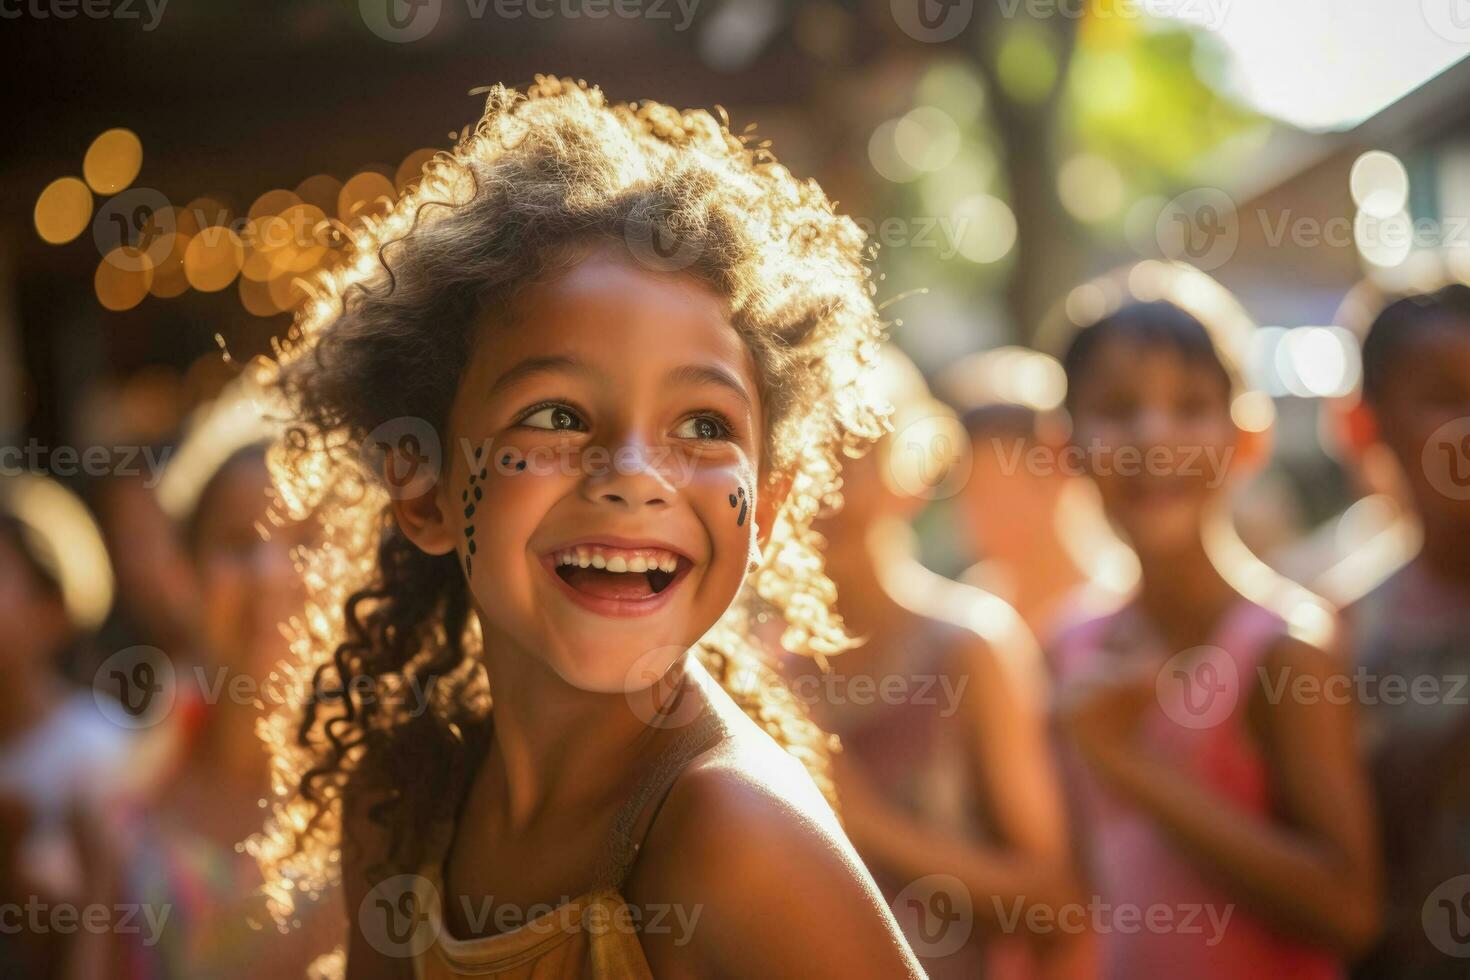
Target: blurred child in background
x: 188, y: 854
x: 944, y: 768
x: 1238, y: 812
x: 60, y: 756
x: 1411, y: 633
x: 1034, y: 525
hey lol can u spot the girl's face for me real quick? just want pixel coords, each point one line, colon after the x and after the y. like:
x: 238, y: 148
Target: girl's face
x: 601, y: 484
x: 248, y: 584
x: 1153, y: 429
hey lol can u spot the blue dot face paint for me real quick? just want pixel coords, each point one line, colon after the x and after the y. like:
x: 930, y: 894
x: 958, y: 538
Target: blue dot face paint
x: 737, y: 499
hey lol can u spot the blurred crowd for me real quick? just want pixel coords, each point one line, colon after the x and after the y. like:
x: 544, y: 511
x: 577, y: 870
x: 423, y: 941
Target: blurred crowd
x: 1112, y: 715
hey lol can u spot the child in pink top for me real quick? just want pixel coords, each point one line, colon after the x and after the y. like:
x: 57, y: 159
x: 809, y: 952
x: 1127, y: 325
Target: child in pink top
x: 1225, y: 822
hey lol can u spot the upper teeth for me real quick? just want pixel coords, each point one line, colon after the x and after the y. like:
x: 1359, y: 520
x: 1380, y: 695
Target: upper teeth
x: 642, y: 560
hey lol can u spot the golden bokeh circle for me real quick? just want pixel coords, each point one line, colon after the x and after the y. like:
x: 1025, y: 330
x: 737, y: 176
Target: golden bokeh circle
x: 63, y: 210
x: 368, y: 193
x: 113, y: 161
x: 169, y: 279
x: 213, y: 258
x: 123, y: 278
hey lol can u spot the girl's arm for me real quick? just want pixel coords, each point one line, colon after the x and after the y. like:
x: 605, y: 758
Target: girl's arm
x: 752, y: 877
x: 1315, y: 868
x: 363, y: 842
x: 1001, y: 710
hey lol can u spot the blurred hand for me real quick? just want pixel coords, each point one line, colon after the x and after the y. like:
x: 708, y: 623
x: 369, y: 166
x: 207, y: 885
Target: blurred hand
x: 1106, y: 708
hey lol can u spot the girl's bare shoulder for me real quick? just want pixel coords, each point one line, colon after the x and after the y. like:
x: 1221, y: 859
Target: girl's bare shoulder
x: 747, y: 839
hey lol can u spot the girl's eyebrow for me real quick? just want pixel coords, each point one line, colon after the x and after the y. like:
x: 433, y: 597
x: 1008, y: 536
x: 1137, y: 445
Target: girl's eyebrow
x: 537, y: 365
x: 704, y: 374
x: 689, y: 374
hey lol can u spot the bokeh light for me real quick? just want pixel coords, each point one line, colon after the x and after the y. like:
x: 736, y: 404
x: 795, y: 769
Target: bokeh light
x: 123, y: 278
x: 1379, y: 184
x: 63, y: 210
x: 367, y: 194
x: 1091, y: 188
x: 113, y: 161
x: 986, y: 228
x: 213, y: 258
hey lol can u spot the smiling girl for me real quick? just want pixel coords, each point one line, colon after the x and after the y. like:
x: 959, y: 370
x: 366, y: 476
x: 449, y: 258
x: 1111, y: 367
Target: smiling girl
x: 1204, y: 791
x: 639, y: 345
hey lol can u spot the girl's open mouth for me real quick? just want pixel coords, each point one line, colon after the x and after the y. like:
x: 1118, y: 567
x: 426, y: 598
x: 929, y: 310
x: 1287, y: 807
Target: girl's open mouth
x: 618, y: 580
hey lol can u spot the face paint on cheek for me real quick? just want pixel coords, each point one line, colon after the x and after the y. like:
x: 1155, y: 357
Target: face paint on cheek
x: 471, y: 497
x: 737, y: 499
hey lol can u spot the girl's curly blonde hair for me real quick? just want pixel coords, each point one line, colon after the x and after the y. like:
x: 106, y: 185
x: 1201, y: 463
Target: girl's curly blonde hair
x: 386, y: 335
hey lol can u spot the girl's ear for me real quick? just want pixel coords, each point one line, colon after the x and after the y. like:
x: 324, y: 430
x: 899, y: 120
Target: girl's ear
x: 422, y: 516
x: 774, y: 490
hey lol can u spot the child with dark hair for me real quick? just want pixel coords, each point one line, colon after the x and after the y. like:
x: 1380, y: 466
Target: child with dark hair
x: 538, y: 713
x: 1197, y: 785
x: 1028, y: 520
x: 60, y: 755
x: 945, y: 775
x: 1411, y: 634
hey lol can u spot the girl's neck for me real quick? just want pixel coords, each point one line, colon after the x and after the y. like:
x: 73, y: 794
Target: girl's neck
x: 1042, y: 576
x: 556, y: 747
x: 867, y: 607
x: 1182, y: 592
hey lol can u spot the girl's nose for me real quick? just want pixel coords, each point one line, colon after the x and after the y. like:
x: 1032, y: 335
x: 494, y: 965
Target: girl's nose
x: 1153, y: 426
x: 632, y: 479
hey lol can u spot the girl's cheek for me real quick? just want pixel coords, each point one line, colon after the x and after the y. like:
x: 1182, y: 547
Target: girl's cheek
x: 726, y: 500
x: 499, y: 487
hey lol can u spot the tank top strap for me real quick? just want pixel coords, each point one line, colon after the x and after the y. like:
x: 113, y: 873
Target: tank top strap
x: 1248, y: 632
x: 629, y: 825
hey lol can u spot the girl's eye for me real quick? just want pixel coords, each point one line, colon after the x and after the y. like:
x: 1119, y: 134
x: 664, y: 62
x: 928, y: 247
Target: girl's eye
x: 554, y: 417
x: 703, y: 427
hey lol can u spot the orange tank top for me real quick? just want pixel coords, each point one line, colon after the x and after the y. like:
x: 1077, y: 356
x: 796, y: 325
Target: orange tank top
x: 591, y: 937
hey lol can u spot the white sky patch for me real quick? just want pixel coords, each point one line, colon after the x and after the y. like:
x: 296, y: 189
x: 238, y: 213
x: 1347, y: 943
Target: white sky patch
x: 1329, y: 64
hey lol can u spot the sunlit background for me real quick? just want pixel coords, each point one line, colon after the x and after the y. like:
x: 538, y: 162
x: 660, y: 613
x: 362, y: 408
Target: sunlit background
x: 175, y: 172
